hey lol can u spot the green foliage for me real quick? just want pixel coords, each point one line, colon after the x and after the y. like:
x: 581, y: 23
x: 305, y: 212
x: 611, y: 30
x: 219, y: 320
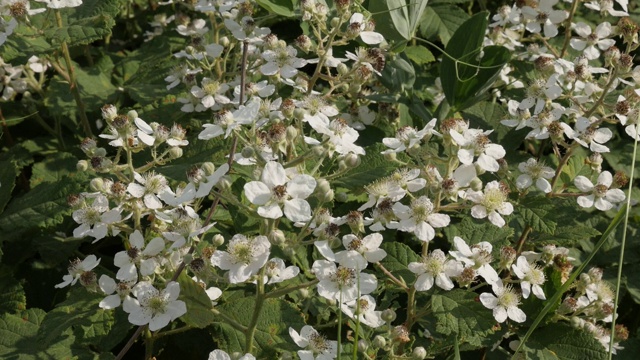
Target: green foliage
x: 441, y: 20
x: 281, y: 7
x: 473, y: 232
x: 458, y: 312
x: 199, y: 305
x: 398, y: 257
x: 564, y: 342
x: 12, y: 297
x: 538, y: 212
x: 466, y: 84
x: 373, y: 166
x: 419, y: 54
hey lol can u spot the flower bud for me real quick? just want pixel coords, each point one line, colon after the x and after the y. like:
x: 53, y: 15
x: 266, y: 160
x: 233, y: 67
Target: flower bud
x: 341, y: 197
x: 476, y: 184
x: 304, y: 43
x: 277, y: 238
x: 595, y: 161
x: 304, y: 293
x: 507, y: 257
x: 379, y: 342
x: 224, y: 183
x: 343, y: 69
x: 324, y: 191
x: 208, y: 168
x: 291, y: 133
x: 352, y: 160
x: 355, y: 220
x: 335, y: 22
x: 132, y: 115
x: 299, y: 113
x: 288, y: 107
x: 82, y: 165
x: 109, y: 112
x: 96, y: 184
x: 175, y: 152
x: 318, y: 151
x: 224, y: 41
x: 400, y: 334
x: 393, y: 157
x: 388, y: 315
x: 419, y: 353
x: 362, y: 345
x: 218, y: 240
x: 248, y: 152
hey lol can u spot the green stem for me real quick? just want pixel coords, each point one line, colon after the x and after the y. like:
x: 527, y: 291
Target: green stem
x: 260, y: 297
x: 567, y: 33
x: 148, y: 345
x: 622, y: 246
x: 226, y: 318
x: 288, y: 289
x: 73, y: 86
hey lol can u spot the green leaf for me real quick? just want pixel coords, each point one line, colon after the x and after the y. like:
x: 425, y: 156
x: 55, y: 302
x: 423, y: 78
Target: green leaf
x: 199, y: 305
x: 276, y: 316
x: 569, y: 234
x: 459, y: 312
x: 538, y: 212
x: 575, y: 166
x: 44, y: 206
x: 81, y: 32
x: 22, y: 44
x: 632, y: 281
x: 487, y: 115
x: 198, y: 152
x: 398, y: 258
x: 280, y: 7
x: 398, y: 75
x: 373, y: 167
x: 17, y: 332
x: 53, y: 168
x: 12, y: 297
x: 405, y: 15
x: 473, y: 232
x: 419, y: 54
x: 7, y: 181
x: 566, y: 342
x: 441, y: 20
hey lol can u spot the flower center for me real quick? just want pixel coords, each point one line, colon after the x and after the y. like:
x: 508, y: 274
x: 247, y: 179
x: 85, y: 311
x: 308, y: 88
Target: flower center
x: 280, y: 192
x: 318, y: 343
x: 493, y: 199
x: 133, y: 253
x: 600, y: 190
x: 535, y: 276
x: 157, y: 304
x: 355, y: 244
x: 508, y: 298
x: 211, y: 87
x: 241, y: 252
x: 344, y: 276
x: 422, y: 208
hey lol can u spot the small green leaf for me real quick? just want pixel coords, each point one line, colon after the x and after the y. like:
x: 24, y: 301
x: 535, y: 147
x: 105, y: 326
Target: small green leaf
x: 81, y: 32
x: 12, y: 297
x: 398, y: 258
x: 419, y: 54
x: 17, y: 332
x: 199, y: 305
x: 568, y: 235
x: 459, y: 312
x: 280, y: 7
x: 538, y: 212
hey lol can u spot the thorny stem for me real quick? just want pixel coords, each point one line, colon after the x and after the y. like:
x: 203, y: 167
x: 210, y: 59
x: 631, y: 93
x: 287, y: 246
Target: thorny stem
x: 567, y: 34
x: 216, y: 201
x: 73, y: 86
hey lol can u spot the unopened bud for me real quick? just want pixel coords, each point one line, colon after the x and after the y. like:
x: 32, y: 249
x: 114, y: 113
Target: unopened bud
x: 352, y: 160
x: 362, y: 345
x: 318, y: 151
x: 277, y: 238
x: 324, y: 191
x: 299, y: 113
x: 248, y: 152
x: 82, y: 165
x: 379, y: 342
x: 341, y: 197
x: 224, y: 41
x: 507, y: 257
x: 419, y: 353
x: 620, y: 180
x: 175, y: 152
x: 132, y: 115
x: 400, y: 334
x: 335, y: 22
x: 96, y: 184
x: 476, y: 184
x: 304, y: 293
x: 208, y: 168
x: 388, y: 315
x: 343, y: 69
x: 391, y: 156
x: 291, y: 133
x: 218, y: 240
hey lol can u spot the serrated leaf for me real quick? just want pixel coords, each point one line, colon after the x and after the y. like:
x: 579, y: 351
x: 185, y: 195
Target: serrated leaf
x: 575, y: 166
x: 373, y: 167
x: 276, y: 316
x: 22, y: 44
x: 538, y: 212
x: 12, y: 297
x: 43, y: 207
x: 81, y: 32
x: 199, y: 305
x: 570, y: 234
x: 473, y: 232
x: 398, y: 258
x: 198, y: 152
x: 441, y: 20
x: 566, y: 342
x: 17, y: 331
x: 458, y: 312
x: 419, y: 54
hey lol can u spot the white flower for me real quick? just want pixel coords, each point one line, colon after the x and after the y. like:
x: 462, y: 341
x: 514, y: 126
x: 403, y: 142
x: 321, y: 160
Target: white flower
x: 116, y: 292
x: 542, y: 119
x: 77, y: 268
x: 505, y: 304
x: 95, y: 219
x: 532, y: 278
x: 492, y: 203
x: 282, y: 61
x: 532, y: 171
x: 606, y: 6
x: 341, y: 136
x: 520, y: 113
x: 148, y: 188
x: 342, y: 283
x: 225, y: 122
x: 409, y: 180
x: 276, y: 271
x: 478, y: 257
x: 544, y: 16
x: 408, y: 138
x: 221, y: 355
x: 475, y: 142
x: 211, y: 94
x: 138, y: 254
x: 381, y: 190
x: 316, y: 346
x: 419, y: 218
x: 588, y: 136
x: 358, y: 23
x: 601, y: 195
x: 246, y: 30
x: 155, y: 307
x: 365, y: 308
x: 592, y: 41
x: 195, y: 28
x: 244, y: 257
x: 276, y: 190
x: 368, y: 247
x: 59, y: 4
x: 435, y: 268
